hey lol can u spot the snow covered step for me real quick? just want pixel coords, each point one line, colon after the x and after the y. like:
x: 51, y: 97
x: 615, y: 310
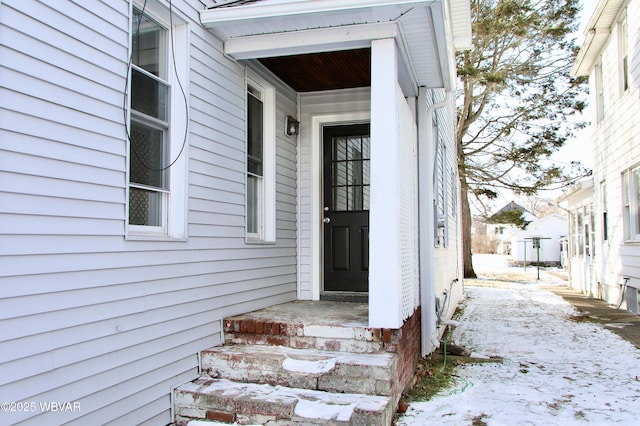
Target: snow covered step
x: 372, y: 374
x: 248, y: 403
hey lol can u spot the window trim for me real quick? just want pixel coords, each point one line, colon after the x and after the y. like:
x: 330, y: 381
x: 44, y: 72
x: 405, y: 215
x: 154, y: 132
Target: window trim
x: 441, y: 197
x: 623, y: 53
x: 266, y: 208
x: 599, y: 92
x: 174, y: 205
x: 630, y: 188
x: 604, y: 211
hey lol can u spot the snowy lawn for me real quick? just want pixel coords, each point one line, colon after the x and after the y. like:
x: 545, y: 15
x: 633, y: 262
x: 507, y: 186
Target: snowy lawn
x: 556, y: 371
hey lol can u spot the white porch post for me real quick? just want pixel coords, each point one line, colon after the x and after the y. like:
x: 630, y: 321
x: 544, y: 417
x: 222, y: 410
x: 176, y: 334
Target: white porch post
x: 385, y: 298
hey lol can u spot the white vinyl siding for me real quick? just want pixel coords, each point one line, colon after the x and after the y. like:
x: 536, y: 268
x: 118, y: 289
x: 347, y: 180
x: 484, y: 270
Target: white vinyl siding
x: 616, y: 153
x: 85, y: 314
x: 448, y: 271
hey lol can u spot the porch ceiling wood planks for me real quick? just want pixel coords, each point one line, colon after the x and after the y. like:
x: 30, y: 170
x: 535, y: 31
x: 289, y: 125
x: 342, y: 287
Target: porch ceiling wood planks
x: 335, y: 70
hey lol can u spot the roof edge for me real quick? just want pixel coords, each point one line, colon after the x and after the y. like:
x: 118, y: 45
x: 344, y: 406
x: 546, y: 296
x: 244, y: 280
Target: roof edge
x: 292, y: 7
x: 596, y: 34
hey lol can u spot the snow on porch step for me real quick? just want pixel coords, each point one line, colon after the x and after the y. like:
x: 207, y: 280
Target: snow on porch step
x: 372, y: 374
x: 249, y: 403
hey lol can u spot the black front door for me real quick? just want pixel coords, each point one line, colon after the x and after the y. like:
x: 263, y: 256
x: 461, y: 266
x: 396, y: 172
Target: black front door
x: 346, y: 208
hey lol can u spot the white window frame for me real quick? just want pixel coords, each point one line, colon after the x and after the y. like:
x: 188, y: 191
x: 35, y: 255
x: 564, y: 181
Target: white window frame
x: 174, y: 203
x: 599, y: 92
x: 623, y: 53
x: 604, y: 211
x: 631, y: 204
x: 266, y: 207
x: 441, y: 187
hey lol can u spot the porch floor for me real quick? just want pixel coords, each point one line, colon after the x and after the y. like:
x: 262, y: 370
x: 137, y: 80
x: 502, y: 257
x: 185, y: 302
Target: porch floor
x: 313, y: 313
x: 305, y: 324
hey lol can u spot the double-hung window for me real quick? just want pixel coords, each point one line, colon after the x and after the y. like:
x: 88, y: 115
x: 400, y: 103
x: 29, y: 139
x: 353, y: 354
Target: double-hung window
x: 599, y: 89
x: 260, y: 180
x: 441, y: 187
x: 631, y: 203
x: 605, y: 212
x: 156, y: 132
x: 623, y: 48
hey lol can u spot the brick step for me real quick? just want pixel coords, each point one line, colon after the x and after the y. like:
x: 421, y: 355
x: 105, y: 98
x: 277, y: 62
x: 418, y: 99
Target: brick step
x: 248, y: 403
x: 372, y: 374
x: 251, y: 329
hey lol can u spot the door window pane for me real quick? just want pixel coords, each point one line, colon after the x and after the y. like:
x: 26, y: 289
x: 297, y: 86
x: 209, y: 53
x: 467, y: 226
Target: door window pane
x: 340, y: 173
x: 340, y: 198
x: 350, y: 173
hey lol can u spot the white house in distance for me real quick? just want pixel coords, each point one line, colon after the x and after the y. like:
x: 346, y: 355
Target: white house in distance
x: 502, y: 234
x: 540, y: 242
x: 609, y: 56
x: 168, y: 166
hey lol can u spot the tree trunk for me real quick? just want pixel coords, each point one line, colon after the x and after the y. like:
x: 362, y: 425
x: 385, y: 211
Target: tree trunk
x: 465, y: 210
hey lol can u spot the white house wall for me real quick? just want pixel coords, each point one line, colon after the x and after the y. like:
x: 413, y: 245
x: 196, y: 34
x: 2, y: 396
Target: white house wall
x: 448, y: 261
x: 616, y: 147
x: 550, y: 229
x: 86, y: 315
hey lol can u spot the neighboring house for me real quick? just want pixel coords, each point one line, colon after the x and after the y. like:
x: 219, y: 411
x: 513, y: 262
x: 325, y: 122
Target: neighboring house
x: 578, y: 202
x: 167, y: 164
x: 501, y: 234
x: 540, y: 242
x: 609, y: 56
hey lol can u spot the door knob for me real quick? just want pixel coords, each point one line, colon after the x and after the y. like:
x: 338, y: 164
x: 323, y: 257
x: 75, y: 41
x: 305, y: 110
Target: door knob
x: 326, y: 220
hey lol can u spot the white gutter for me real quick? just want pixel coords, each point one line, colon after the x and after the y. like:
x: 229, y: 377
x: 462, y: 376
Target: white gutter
x: 279, y: 8
x: 426, y: 157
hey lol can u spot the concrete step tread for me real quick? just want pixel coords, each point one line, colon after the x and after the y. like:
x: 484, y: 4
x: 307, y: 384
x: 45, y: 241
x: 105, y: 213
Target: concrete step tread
x: 299, y: 405
x: 369, y: 373
x: 304, y: 360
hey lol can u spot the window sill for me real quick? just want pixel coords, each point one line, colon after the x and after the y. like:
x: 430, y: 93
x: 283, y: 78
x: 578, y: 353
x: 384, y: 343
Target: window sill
x: 139, y: 237
x: 258, y: 242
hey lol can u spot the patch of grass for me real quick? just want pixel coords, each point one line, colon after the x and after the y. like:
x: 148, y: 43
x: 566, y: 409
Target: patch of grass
x: 582, y: 317
x: 432, y: 376
x: 479, y: 420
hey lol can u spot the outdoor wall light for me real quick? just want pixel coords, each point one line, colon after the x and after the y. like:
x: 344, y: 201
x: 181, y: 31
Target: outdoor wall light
x: 291, y: 126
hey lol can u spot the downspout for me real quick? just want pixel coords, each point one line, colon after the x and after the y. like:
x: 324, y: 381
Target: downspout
x: 426, y: 158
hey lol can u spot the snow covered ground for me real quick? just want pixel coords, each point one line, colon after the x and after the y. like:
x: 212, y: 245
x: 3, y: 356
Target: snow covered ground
x: 556, y: 371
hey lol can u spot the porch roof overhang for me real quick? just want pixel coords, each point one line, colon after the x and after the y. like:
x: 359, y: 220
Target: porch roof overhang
x: 579, y: 189
x: 281, y: 32
x: 596, y: 34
